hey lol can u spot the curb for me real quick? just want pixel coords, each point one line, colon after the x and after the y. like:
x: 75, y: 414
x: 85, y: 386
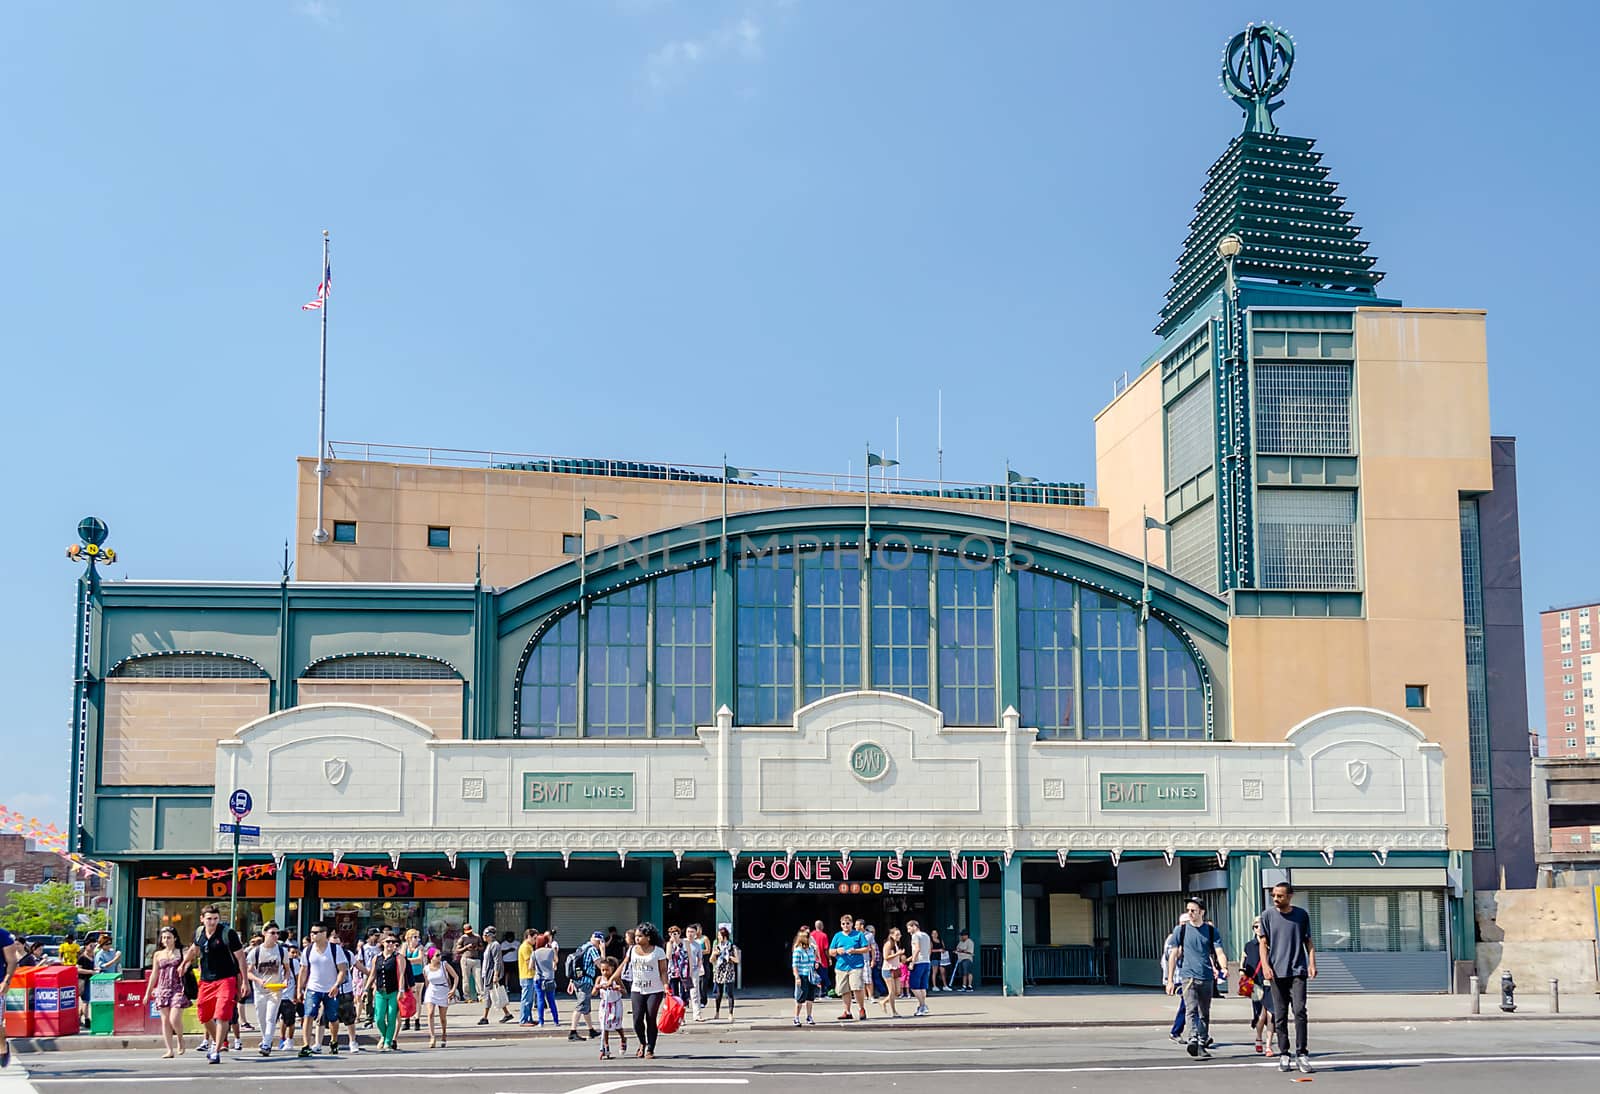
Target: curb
x: 93, y: 1043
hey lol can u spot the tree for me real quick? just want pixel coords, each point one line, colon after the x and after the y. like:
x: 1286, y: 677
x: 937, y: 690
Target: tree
x: 50, y: 909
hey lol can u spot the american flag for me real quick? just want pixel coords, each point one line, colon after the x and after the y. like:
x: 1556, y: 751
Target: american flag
x: 322, y: 290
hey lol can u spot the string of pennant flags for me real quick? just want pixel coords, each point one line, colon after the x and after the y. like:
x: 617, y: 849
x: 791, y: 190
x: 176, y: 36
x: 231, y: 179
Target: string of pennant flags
x: 50, y: 838
x: 308, y: 867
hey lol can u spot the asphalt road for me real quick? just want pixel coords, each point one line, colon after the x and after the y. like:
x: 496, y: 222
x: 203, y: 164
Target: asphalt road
x: 1461, y: 1057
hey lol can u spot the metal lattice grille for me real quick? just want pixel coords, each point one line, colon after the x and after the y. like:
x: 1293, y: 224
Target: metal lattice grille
x: 1194, y: 546
x: 1307, y: 539
x: 1477, y: 672
x: 1482, y: 821
x: 380, y: 667
x: 188, y: 666
x: 1303, y: 410
x: 1191, y: 436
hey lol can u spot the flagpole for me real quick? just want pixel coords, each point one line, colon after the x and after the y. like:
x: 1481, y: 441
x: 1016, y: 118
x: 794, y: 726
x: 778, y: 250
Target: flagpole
x: 724, y: 546
x: 866, y: 538
x: 320, y: 535
x: 1008, y: 516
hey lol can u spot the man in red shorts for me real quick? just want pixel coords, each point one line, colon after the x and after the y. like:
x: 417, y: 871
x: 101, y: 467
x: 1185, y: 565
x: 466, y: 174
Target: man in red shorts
x: 219, y: 953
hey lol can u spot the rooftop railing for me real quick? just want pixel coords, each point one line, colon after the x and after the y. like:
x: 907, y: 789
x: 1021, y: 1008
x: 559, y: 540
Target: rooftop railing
x: 1039, y: 493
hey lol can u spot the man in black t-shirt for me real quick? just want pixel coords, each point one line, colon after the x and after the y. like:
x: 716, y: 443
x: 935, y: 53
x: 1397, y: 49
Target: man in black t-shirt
x: 219, y: 953
x: 1288, y: 962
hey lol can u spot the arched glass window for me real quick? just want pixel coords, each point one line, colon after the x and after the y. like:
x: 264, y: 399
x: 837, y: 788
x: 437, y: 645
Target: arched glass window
x: 683, y: 651
x: 550, y: 682
x: 1110, y: 668
x: 1177, y: 695
x: 764, y: 629
x: 900, y: 622
x: 1045, y: 673
x: 617, y: 662
x: 965, y: 597
x: 831, y: 623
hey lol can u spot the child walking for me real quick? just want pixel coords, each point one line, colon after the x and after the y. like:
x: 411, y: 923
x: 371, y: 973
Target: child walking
x: 609, y: 989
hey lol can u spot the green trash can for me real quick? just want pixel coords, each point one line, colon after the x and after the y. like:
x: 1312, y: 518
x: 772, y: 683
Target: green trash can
x: 102, y: 1001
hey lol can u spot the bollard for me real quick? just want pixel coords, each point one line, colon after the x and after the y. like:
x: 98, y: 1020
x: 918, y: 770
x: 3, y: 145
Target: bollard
x: 1473, y: 990
x: 1555, y: 996
x: 1508, y: 993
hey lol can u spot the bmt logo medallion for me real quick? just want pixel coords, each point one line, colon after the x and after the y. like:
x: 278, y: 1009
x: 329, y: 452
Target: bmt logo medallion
x: 868, y: 761
x: 335, y: 769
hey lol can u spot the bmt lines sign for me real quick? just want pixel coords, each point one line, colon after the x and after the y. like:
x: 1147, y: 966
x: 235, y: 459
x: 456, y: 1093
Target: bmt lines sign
x: 1123, y: 793
x: 577, y: 790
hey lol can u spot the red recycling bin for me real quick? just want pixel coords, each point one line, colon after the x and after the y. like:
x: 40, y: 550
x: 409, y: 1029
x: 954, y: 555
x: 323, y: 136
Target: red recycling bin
x: 129, y: 1012
x: 55, y: 1000
x: 19, y: 1003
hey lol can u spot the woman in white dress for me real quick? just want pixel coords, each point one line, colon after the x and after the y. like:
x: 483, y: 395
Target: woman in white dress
x: 439, y: 982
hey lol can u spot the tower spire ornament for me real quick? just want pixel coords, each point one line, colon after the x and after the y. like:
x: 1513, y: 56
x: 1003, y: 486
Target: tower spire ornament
x: 1255, y: 68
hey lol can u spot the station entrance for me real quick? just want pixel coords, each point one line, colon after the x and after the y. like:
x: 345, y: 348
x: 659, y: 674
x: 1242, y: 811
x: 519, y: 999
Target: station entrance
x: 775, y: 897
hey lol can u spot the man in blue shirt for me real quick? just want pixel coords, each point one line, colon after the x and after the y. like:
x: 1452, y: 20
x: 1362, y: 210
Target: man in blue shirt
x: 1194, y: 954
x: 849, y: 950
x: 1288, y: 961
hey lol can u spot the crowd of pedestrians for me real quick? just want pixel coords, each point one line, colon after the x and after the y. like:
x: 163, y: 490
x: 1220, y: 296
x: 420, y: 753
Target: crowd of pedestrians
x: 304, y: 996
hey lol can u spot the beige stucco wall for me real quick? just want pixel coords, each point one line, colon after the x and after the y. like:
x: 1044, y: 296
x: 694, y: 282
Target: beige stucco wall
x: 519, y: 517
x: 1129, y: 462
x: 165, y: 732
x: 1422, y: 399
x: 436, y: 704
x: 1537, y: 934
x: 1422, y: 419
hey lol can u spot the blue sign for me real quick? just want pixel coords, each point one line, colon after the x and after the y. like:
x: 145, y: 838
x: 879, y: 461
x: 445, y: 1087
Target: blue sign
x: 239, y: 803
x: 243, y: 829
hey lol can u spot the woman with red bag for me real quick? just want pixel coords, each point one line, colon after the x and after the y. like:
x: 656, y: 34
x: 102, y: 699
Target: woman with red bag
x: 648, y: 963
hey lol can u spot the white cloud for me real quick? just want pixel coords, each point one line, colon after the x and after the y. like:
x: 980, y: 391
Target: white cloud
x: 318, y: 11
x: 739, y: 40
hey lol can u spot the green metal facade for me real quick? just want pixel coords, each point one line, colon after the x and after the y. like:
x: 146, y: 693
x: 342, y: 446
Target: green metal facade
x: 485, y: 635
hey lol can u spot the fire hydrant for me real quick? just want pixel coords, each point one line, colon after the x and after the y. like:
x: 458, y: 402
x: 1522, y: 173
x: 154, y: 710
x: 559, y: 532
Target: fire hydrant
x: 1508, y: 993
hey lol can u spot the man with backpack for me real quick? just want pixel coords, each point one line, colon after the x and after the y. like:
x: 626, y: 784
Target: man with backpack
x: 219, y: 953
x: 267, y: 965
x: 324, y: 967
x: 582, y: 970
x: 1195, y: 955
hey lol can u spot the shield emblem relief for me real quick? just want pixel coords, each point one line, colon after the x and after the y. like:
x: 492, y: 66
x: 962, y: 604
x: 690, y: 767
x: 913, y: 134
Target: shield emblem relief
x: 335, y: 769
x: 1358, y: 771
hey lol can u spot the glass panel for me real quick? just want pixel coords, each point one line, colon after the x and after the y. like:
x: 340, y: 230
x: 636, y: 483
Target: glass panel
x: 966, y: 642
x: 683, y: 652
x: 1303, y: 409
x: 1044, y: 654
x: 1374, y: 912
x: 1110, y: 668
x: 617, y: 658
x: 832, y: 622
x: 1307, y: 539
x: 1432, y: 921
x: 764, y: 640
x: 1332, y: 922
x: 1410, y: 907
x: 1194, y: 546
x: 1177, y: 698
x: 900, y: 622
x: 1191, y: 436
x: 550, y: 683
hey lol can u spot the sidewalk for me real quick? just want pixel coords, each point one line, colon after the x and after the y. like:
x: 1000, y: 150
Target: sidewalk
x: 1045, y: 1007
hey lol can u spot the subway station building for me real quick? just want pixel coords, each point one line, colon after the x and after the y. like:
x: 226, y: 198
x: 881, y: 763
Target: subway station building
x: 581, y: 693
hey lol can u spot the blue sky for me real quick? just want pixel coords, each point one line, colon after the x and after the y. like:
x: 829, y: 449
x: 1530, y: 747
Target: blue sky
x: 656, y: 229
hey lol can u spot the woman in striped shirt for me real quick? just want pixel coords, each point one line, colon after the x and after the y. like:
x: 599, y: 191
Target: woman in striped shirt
x: 804, y: 962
